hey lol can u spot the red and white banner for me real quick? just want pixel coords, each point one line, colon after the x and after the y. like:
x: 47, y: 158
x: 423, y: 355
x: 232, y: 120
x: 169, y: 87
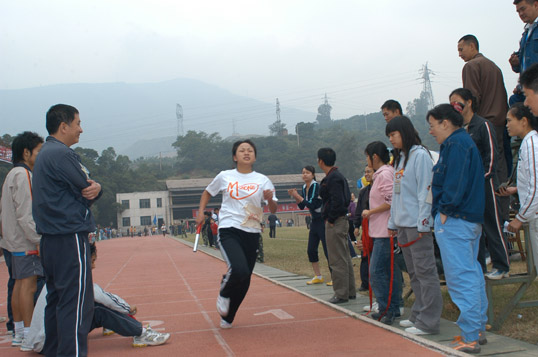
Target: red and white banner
x: 5, y: 154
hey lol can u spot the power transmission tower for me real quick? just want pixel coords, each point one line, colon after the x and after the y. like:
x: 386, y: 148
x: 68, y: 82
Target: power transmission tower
x: 179, y: 115
x: 427, y: 85
x: 277, y: 111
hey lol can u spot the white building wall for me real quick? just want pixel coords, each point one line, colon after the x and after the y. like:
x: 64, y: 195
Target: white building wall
x: 136, y: 214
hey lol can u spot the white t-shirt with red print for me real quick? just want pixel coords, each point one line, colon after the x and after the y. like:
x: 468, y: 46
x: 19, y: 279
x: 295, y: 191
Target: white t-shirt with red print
x: 239, y: 190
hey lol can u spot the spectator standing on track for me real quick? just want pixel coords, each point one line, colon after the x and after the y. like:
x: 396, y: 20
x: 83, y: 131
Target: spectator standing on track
x: 335, y: 195
x: 483, y: 135
x: 525, y: 125
x: 18, y: 231
x: 485, y: 80
x: 62, y: 195
x: 241, y: 214
x: 458, y: 211
x: 310, y: 198
x: 382, y: 272
x: 410, y: 219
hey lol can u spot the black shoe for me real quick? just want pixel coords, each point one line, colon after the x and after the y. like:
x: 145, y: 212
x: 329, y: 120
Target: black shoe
x: 352, y: 297
x: 336, y: 300
x: 363, y: 289
x: 387, y: 319
x: 376, y: 315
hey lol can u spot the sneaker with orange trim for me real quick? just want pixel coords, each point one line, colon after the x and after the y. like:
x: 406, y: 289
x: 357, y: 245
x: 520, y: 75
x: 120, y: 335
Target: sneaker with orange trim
x: 468, y: 347
x: 330, y: 283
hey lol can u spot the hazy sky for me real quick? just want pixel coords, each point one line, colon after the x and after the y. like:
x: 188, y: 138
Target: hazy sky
x: 358, y: 52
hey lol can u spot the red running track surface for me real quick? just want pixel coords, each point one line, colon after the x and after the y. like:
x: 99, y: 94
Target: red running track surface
x: 175, y: 290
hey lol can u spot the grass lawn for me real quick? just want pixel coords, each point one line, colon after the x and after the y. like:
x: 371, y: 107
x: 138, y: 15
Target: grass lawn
x: 288, y: 252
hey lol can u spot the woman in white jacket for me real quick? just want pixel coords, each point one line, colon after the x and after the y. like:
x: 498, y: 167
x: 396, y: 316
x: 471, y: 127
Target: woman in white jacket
x: 521, y: 123
x: 410, y: 219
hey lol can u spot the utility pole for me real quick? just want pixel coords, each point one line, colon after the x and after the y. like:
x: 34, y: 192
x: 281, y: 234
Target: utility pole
x: 179, y: 115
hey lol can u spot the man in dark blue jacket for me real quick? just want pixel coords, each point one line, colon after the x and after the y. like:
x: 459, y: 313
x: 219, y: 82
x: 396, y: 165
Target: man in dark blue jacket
x: 335, y: 195
x: 62, y: 195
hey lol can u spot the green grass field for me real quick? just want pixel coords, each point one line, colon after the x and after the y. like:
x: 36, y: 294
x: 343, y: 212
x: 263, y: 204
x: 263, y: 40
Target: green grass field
x: 288, y: 252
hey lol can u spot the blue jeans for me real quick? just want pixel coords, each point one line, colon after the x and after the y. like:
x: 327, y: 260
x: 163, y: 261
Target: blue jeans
x: 380, y: 271
x: 458, y: 242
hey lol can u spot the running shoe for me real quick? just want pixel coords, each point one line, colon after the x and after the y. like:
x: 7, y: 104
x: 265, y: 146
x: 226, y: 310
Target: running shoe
x: 223, y: 306
x: 150, y: 338
x: 468, y: 347
x: 315, y: 280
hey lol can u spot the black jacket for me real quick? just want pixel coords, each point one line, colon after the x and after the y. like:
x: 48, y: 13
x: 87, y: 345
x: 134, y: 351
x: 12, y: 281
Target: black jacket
x: 483, y: 134
x: 363, y: 202
x: 335, y: 195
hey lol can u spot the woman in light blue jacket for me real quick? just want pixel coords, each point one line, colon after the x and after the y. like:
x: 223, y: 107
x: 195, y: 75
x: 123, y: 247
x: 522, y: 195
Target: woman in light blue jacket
x: 410, y: 219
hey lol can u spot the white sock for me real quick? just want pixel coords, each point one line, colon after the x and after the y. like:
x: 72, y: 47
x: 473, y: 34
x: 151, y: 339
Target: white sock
x: 143, y: 331
x: 319, y: 277
x: 19, y: 328
x: 26, y: 331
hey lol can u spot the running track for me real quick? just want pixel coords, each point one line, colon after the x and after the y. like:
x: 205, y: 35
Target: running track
x: 176, y: 289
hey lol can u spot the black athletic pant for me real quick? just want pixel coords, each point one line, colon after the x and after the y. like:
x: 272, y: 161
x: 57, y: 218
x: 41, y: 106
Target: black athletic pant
x: 316, y: 235
x: 272, y: 231
x: 239, y: 250
x: 122, y: 324
x: 69, y: 312
x: 492, y: 236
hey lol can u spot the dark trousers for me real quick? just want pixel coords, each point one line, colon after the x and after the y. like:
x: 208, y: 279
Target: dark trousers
x: 10, y: 284
x: 239, y: 250
x: 492, y: 236
x: 364, y: 271
x: 316, y: 235
x: 69, y: 312
x: 272, y: 231
x: 122, y: 324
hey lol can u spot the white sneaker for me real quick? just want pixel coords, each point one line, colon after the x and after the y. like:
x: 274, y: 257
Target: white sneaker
x: 225, y: 324
x: 16, y: 340
x: 407, y: 323
x: 150, y: 338
x: 25, y: 347
x: 223, y: 306
x: 416, y: 331
x: 375, y: 308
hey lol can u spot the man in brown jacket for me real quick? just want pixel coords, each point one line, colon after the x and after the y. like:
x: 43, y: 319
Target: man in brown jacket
x: 485, y: 80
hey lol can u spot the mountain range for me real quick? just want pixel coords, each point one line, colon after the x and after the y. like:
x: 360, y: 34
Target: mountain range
x: 139, y: 119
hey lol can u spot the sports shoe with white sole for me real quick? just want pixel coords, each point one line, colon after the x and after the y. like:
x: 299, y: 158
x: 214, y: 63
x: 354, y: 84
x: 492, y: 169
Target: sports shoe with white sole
x: 497, y: 274
x: 315, y: 280
x: 375, y: 308
x: 16, y: 341
x: 223, y: 306
x: 225, y: 324
x: 150, y: 338
x: 26, y: 347
x: 416, y: 331
x: 407, y: 323
x: 107, y: 332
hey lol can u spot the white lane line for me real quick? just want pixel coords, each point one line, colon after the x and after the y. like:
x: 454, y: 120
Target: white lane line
x: 214, y: 329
